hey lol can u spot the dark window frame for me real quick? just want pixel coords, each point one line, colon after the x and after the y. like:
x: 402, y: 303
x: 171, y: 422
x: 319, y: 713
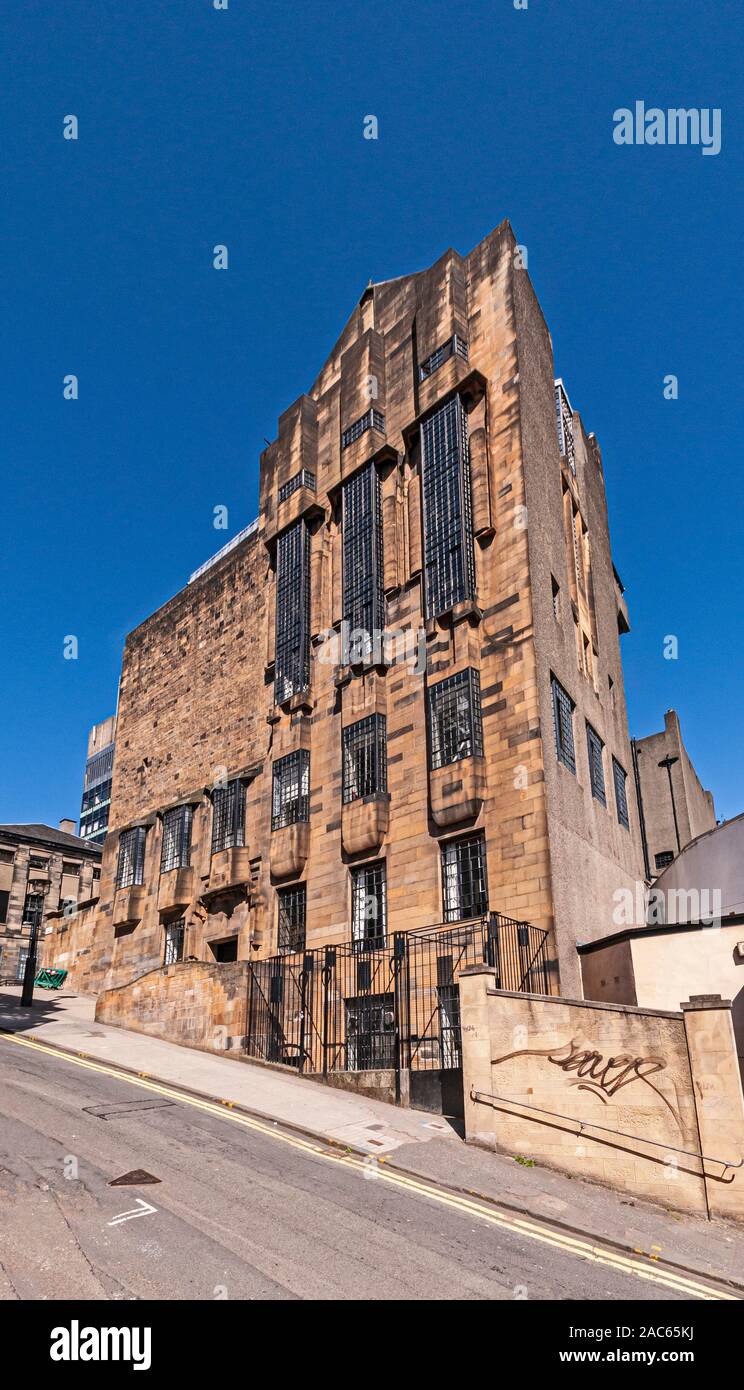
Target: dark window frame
x: 174, y: 934
x: 620, y: 780
x: 595, y: 751
x: 464, y: 864
x: 290, y: 789
x: 175, y: 848
x: 667, y: 858
x: 563, y: 712
x: 449, y: 557
x: 369, y: 882
x: 455, y: 725
x: 228, y: 816
x: 363, y: 578
x: 364, y: 758
x: 292, y: 614
x: 291, y: 918
x: 130, y: 864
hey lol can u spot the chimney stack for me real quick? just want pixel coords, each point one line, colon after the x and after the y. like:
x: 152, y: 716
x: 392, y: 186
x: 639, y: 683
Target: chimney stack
x: 69, y: 827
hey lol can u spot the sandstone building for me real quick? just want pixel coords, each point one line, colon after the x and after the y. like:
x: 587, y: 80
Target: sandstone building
x: 673, y: 806
x: 398, y: 699
x: 41, y: 870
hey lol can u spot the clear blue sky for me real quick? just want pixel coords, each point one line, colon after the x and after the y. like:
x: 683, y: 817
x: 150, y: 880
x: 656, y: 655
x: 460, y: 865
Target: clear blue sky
x: 244, y: 127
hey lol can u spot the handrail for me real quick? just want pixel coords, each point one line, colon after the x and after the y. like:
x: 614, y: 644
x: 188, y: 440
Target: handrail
x: 487, y: 1096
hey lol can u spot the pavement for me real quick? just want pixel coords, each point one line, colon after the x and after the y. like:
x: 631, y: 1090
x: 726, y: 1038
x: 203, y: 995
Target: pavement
x: 408, y: 1142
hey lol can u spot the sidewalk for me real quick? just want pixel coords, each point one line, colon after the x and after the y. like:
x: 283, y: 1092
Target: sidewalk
x: 414, y: 1141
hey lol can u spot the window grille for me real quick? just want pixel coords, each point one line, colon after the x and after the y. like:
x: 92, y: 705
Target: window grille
x: 364, y: 757
x: 228, y: 816
x: 371, y: 420
x: 363, y: 597
x: 455, y: 722
x: 448, y: 532
x: 174, y: 935
x: 464, y: 878
x: 291, y: 789
x: 369, y: 906
x: 292, y: 658
x: 176, y: 848
x: 302, y: 479
x: 621, y: 798
x: 130, y: 868
x: 666, y: 857
x: 454, y: 347
x: 563, y: 708
x: 596, y: 764
x: 292, y: 918
x: 564, y: 423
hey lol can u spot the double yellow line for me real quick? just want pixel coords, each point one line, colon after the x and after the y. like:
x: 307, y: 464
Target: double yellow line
x: 526, y: 1227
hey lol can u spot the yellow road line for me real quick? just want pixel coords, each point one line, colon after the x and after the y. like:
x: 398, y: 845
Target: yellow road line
x: 531, y: 1229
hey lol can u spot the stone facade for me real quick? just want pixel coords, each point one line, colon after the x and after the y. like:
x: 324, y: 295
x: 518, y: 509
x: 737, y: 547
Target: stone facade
x: 693, y: 805
x: 202, y: 703
x: 43, y: 873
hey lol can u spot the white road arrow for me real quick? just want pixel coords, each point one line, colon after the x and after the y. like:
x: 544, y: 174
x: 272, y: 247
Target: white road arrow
x: 142, y: 1209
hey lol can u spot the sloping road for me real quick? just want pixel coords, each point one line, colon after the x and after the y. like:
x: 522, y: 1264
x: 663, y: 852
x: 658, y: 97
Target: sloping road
x: 246, y: 1210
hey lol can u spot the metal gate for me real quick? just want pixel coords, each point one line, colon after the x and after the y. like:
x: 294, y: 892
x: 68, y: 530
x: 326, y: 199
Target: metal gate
x: 356, y: 1007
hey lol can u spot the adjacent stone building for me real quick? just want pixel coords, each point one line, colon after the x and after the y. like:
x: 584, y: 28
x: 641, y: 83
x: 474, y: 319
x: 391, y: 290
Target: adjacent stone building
x: 674, y: 808
x: 398, y: 699
x: 41, y: 871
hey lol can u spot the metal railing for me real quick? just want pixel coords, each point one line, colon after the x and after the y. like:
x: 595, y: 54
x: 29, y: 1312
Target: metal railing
x: 360, y: 1007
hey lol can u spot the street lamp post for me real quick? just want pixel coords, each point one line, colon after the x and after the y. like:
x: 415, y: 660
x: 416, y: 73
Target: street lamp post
x: 668, y: 762
x: 29, y: 973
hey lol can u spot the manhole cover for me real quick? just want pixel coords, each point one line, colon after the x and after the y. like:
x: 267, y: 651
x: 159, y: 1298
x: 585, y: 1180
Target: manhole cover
x: 137, y: 1178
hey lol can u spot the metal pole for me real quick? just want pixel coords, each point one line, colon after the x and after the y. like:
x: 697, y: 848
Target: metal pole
x: 29, y: 974
x: 668, y: 762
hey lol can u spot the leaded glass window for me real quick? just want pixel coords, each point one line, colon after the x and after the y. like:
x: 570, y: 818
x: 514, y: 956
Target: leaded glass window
x: 596, y: 765
x: 464, y: 878
x: 449, y: 563
x: 369, y: 905
x: 363, y: 598
x: 455, y: 723
x: 563, y: 708
x: 364, y: 757
x: 290, y: 801
x: 130, y: 867
x: 228, y: 816
x: 176, y: 848
x: 292, y: 647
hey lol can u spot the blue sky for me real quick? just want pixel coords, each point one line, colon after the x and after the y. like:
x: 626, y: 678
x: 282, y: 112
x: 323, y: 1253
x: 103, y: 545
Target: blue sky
x: 244, y: 127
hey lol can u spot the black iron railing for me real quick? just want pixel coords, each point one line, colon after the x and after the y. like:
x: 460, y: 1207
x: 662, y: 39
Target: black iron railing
x: 359, y: 1007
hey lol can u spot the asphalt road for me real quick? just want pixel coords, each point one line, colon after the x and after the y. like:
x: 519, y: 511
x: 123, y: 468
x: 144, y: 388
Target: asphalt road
x: 239, y: 1212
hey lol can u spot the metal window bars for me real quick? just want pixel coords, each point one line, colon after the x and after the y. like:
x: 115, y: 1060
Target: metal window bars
x: 596, y: 766
x: 449, y: 563
x: 464, y: 878
x: 131, y: 862
x: 292, y: 904
x: 364, y: 757
x: 454, y: 347
x: 369, y: 906
x: 455, y: 721
x: 175, y: 852
x: 228, y: 816
x: 363, y: 592
x: 292, y: 647
x: 563, y: 708
x: 290, y: 792
x: 174, y: 937
x: 621, y: 797
x: 564, y: 424
x: 371, y: 420
x: 302, y: 479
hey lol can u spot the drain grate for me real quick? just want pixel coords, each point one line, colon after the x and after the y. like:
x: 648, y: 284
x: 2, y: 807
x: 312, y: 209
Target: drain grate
x: 136, y: 1178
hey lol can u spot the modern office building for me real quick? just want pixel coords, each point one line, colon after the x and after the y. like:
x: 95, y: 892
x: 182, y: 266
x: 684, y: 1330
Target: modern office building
x: 96, y: 802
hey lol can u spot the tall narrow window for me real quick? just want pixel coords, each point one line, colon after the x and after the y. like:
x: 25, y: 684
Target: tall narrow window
x: 176, y: 847
x: 364, y: 758
x: 464, y: 878
x: 448, y: 530
x: 563, y: 708
x: 174, y: 934
x: 620, y: 779
x: 455, y: 724
x: 364, y: 604
x: 564, y: 423
x: 292, y: 918
x: 595, y: 747
x: 228, y: 816
x: 292, y: 648
x: 368, y: 906
x: 130, y: 868
x: 290, y: 801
